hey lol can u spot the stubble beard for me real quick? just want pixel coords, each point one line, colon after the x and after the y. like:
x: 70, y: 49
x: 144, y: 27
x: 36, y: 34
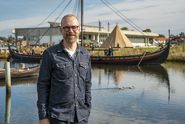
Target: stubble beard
x: 71, y: 39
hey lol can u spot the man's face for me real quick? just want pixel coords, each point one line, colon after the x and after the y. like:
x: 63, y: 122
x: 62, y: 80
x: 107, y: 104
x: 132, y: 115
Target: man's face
x: 70, y: 29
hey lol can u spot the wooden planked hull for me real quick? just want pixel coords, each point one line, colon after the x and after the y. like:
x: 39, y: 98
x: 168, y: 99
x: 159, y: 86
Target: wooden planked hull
x: 21, y: 73
x: 156, y: 57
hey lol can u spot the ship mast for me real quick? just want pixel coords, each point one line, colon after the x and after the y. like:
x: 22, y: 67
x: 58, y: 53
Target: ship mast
x: 82, y: 9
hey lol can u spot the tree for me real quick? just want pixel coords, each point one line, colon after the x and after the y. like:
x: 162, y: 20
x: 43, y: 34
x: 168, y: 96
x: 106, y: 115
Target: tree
x: 3, y: 39
x: 124, y: 28
x: 161, y: 35
x: 147, y: 30
x: 181, y: 34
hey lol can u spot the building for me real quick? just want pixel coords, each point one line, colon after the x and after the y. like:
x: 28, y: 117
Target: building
x: 141, y: 39
x: 93, y: 34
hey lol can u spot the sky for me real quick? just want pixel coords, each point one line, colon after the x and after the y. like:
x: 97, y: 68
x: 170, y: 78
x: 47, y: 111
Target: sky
x: 157, y: 15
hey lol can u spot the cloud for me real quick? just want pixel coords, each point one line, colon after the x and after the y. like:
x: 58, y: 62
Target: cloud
x: 8, y: 25
x: 21, y: 23
x: 159, y: 15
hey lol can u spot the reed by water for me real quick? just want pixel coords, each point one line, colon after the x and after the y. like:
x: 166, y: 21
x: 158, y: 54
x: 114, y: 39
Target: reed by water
x: 177, y: 53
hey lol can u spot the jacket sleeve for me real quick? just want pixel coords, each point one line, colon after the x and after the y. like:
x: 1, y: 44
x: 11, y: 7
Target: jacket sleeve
x: 43, y: 86
x: 88, y: 86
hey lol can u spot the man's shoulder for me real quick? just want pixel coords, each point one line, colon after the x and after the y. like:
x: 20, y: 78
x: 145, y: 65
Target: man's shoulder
x: 84, y: 51
x: 53, y: 48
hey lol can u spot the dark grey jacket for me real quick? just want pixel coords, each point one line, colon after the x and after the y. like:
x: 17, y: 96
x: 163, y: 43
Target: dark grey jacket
x: 64, y: 84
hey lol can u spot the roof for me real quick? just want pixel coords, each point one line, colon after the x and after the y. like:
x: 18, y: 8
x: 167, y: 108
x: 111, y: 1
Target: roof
x: 117, y: 39
x: 136, y: 33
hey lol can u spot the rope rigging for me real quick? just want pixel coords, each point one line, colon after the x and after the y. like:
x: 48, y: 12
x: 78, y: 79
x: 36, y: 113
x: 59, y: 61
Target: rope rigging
x: 67, y: 5
x: 47, y: 16
x: 63, y: 10
x: 76, y: 11
x: 123, y: 17
x: 51, y: 13
x: 55, y: 20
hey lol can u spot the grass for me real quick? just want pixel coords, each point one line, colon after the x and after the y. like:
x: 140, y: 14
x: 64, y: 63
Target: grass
x: 177, y: 53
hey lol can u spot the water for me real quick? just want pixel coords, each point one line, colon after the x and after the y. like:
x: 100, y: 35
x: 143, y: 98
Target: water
x: 121, y: 94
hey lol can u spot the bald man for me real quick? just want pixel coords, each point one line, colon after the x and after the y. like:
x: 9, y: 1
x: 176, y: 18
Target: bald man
x: 64, y: 83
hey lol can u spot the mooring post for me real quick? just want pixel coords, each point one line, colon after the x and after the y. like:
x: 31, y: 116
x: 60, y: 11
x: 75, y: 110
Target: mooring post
x: 8, y: 77
x: 8, y: 91
x: 8, y: 108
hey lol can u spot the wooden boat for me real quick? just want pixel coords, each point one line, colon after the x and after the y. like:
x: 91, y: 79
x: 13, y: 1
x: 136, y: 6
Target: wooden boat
x: 156, y: 57
x: 147, y: 58
x: 21, y: 73
x: 15, y: 56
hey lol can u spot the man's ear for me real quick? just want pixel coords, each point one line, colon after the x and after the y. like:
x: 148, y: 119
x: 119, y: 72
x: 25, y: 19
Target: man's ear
x: 60, y: 29
x: 79, y: 28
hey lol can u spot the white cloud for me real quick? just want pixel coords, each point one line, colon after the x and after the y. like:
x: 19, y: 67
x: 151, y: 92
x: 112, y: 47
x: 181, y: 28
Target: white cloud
x: 20, y: 23
x: 158, y: 15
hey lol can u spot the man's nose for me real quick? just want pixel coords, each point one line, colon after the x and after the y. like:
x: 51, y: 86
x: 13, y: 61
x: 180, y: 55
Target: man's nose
x: 70, y: 29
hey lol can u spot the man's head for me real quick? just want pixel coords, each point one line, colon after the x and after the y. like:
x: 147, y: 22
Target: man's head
x: 70, y: 28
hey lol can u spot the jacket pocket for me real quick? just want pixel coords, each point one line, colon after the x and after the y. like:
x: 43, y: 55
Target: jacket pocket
x: 64, y: 70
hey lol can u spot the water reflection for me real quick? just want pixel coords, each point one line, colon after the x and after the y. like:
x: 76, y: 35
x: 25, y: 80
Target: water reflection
x: 117, y: 73
x: 147, y: 103
x: 18, y: 81
x: 8, y: 107
x: 180, y: 67
x: 16, y: 65
x: 8, y: 102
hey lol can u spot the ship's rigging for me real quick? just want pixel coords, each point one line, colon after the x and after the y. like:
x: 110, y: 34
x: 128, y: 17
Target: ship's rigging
x: 78, y: 10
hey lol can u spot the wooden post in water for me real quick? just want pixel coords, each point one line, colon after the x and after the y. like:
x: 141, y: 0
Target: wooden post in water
x: 8, y: 107
x: 8, y: 91
x: 8, y: 77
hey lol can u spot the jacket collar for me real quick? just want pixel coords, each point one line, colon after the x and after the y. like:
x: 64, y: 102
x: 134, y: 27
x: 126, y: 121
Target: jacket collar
x: 61, y: 48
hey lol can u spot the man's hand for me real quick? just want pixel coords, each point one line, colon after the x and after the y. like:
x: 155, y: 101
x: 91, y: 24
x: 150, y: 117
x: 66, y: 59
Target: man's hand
x: 44, y: 121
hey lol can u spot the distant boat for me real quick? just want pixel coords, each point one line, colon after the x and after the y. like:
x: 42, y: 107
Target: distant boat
x: 21, y: 73
x: 15, y: 56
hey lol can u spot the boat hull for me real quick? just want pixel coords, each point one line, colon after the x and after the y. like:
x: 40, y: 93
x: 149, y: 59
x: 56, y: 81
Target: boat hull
x: 21, y: 73
x: 156, y: 57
